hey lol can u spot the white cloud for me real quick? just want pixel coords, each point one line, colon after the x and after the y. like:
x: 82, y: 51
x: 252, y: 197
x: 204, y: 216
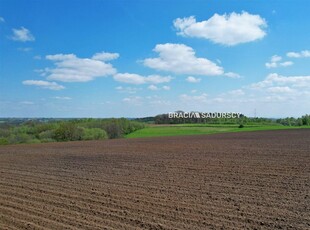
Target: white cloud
x: 232, y: 75
x: 153, y: 87
x: 157, y: 79
x: 237, y: 92
x: 274, y: 96
x: 228, y: 29
x: 275, y: 62
x: 129, y: 78
x: 275, y: 58
x: 193, y: 79
x: 181, y: 59
x: 103, y: 56
x: 63, y: 98
x: 280, y: 89
x: 44, y: 84
x: 22, y: 35
x: 274, y: 79
x: 286, y: 63
x: 137, y: 79
x: 2, y: 19
x: 302, y: 54
x: 270, y: 65
x: 165, y: 87
x: 70, y: 68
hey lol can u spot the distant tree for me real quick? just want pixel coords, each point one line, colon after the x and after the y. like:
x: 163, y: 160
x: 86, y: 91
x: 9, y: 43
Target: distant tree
x: 305, y: 119
x: 113, y: 130
x: 19, y: 138
x: 94, y: 134
x: 47, y: 136
x: 3, y: 141
x: 68, y: 131
x: 299, y: 122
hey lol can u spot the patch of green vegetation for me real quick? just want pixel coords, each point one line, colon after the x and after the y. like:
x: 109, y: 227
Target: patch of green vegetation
x: 42, y: 130
x: 196, y: 129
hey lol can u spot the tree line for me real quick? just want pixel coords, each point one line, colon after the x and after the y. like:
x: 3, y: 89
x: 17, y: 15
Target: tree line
x: 242, y: 120
x: 291, y: 121
x: 42, y: 131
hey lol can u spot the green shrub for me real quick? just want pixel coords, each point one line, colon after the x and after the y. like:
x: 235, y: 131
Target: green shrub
x: 113, y: 130
x: 94, y: 134
x: 49, y: 130
x: 48, y: 134
x: 4, y: 132
x: 68, y: 131
x: 47, y: 140
x: 19, y: 138
x: 4, y: 141
x: 33, y: 141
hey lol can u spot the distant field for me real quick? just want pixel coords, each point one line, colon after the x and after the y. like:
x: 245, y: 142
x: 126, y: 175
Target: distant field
x: 196, y: 129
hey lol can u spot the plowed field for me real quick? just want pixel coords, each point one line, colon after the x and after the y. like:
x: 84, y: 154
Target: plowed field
x: 255, y: 180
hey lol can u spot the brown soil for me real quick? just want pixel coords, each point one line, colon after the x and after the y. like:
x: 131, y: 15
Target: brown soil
x: 255, y: 180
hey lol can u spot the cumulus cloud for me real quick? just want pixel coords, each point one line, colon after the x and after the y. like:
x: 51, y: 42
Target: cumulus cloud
x: 70, y: 68
x: 237, y: 92
x: 275, y: 58
x: 286, y: 63
x: 44, y: 84
x: 301, y: 54
x: 153, y: 87
x: 276, y: 80
x: 280, y: 89
x: 274, y: 96
x: 22, y: 35
x: 193, y: 79
x: 181, y: 59
x: 274, y: 88
x: 137, y: 79
x: 165, y: 87
x: 275, y: 62
x: 228, y: 29
x: 129, y: 78
x: 232, y: 75
x: 103, y: 56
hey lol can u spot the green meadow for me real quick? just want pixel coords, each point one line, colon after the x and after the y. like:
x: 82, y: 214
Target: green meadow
x: 196, y: 129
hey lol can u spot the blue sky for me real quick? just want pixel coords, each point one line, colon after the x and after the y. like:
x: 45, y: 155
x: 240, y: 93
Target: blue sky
x: 140, y: 58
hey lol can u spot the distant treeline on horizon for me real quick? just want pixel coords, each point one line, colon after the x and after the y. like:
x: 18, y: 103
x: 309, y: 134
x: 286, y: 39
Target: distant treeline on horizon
x: 165, y: 119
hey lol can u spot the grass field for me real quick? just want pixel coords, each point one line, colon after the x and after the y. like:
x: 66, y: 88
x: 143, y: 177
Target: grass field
x: 195, y: 129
